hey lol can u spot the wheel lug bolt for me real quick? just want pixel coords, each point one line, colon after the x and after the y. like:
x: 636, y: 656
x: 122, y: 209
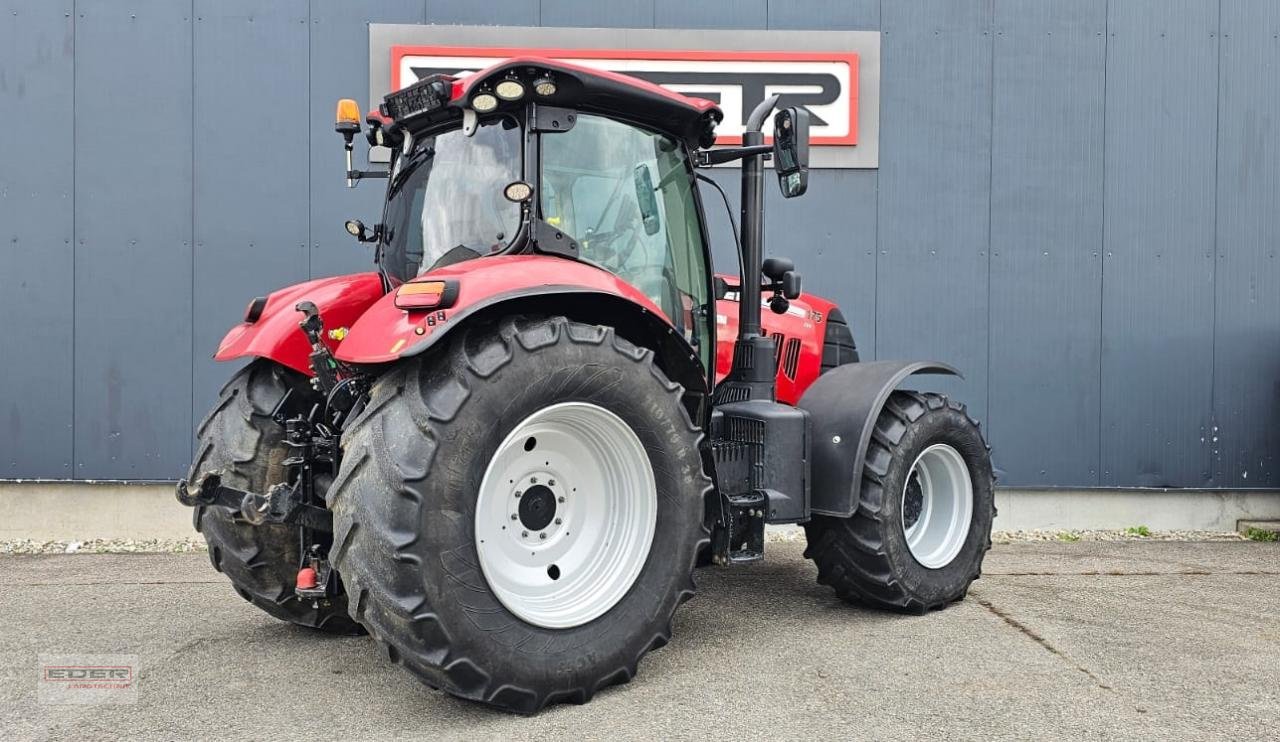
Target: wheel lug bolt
x: 542, y: 536
x: 559, y: 521
x: 562, y: 498
x: 515, y: 516
x: 533, y: 480
x: 551, y: 482
x: 524, y: 534
x: 518, y: 493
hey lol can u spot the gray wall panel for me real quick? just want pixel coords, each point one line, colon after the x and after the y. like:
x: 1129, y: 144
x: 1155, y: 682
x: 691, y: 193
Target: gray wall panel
x: 1046, y: 239
x: 251, y: 212
x: 857, y: 15
x: 1158, y: 271
x: 340, y: 69
x: 711, y: 14
x: 1246, y: 342
x: 36, y: 58
x: 1086, y: 224
x: 489, y: 12
x: 133, y: 239
x: 835, y: 257
x: 935, y: 110
x: 631, y: 14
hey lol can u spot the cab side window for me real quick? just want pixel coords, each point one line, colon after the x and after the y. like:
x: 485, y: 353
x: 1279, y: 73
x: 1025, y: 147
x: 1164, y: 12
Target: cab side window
x: 625, y: 194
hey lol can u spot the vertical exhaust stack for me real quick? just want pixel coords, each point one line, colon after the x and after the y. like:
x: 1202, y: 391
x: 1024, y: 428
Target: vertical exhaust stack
x: 754, y: 371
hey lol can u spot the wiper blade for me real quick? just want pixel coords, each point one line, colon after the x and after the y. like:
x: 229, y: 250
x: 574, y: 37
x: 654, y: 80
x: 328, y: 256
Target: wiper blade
x: 415, y: 159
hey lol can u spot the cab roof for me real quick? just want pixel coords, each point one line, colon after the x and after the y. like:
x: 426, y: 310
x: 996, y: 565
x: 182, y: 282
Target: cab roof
x: 441, y: 97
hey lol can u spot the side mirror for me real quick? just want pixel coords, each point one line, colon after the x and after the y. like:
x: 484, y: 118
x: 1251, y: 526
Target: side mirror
x: 791, y: 150
x: 776, y: 268
x: 646, y: 199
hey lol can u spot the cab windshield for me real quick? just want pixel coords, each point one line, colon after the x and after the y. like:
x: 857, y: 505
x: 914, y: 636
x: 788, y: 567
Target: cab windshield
x: 445, y: 203
x: 626, y: 195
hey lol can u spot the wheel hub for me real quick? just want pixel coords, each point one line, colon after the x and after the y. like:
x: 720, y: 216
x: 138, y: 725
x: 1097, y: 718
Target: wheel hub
x: 912, y: 501
x: 537, y: 507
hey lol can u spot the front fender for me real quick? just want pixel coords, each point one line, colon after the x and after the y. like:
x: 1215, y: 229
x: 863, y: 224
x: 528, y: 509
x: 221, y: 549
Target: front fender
x: 386, y: 333
x: 843, y: 405
x: 276, y: 335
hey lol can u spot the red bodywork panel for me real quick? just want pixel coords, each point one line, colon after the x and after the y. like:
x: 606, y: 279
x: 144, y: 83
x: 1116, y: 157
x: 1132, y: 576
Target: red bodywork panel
x: 799, y: 334
x: 385, y: 332
x: 377, y: 331
x: 276, y: 335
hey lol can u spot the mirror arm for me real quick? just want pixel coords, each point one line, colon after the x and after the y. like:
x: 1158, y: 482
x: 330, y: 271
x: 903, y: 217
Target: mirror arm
x: 709, y: 157
x: 354, y: 175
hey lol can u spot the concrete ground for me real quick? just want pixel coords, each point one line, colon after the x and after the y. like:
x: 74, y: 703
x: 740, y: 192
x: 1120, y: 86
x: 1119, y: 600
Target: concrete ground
x: 1058, y: 640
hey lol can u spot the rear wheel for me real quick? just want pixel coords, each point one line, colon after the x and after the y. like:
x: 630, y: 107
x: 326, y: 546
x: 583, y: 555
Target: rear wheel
x: 517, y: 516
x: 923, y: 523
x: 239, y: 440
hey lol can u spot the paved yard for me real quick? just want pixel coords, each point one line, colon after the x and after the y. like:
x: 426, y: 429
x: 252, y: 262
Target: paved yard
x: 1083, y: 640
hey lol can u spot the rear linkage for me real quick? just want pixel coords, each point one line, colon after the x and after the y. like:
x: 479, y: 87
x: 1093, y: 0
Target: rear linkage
x: 314, y: 438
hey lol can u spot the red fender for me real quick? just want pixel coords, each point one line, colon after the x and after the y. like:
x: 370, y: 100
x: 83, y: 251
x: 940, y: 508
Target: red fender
x: 340, y: 299
x: 385, y: 332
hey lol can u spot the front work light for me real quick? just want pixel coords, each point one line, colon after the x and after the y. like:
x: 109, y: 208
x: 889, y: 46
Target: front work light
x: 484, y: 103
x: 509, y: 90
x: 518, y: 192
x: 427, y: 295
x: 544, y: 86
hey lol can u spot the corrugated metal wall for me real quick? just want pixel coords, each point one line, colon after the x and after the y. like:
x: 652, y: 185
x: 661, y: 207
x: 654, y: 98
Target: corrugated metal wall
x: 1077, y: 204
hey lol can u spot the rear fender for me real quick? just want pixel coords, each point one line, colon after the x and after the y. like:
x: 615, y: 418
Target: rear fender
x: 276, y: 335
x: 523, y: 284
x: 843, y: 405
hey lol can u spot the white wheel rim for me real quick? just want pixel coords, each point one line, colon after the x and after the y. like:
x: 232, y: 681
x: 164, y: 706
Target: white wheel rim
x: 936, y: 515
x: 591, y: 469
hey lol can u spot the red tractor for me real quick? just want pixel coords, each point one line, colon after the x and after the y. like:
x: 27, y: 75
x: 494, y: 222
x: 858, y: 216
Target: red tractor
x: 504, y: 452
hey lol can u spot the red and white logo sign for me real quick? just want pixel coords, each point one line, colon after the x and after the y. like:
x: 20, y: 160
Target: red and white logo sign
x: 825, y: 83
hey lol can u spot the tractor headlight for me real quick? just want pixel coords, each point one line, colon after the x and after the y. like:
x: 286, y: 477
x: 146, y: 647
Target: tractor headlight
x: 509, y: 90
x: 484, y: 103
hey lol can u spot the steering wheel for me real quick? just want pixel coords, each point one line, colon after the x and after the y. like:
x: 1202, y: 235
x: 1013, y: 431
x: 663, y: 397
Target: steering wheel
x: 628, y: 217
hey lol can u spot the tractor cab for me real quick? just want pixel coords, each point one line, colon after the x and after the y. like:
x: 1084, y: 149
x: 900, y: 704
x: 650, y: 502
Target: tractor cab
x: 535, y: 156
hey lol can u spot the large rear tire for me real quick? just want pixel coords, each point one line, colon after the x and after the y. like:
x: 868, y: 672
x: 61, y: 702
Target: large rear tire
x: 923, y: 522
x: 517, y: 516
x: 239, y: 440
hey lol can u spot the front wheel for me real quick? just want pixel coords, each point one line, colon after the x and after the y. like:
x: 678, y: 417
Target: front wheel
x: 517, y: 517
x: 923, y: 521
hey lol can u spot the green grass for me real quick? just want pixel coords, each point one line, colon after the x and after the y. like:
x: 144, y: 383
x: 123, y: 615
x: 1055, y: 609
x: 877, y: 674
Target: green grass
x: 1141, y: 531
x: 1069, y: 536
x: 1261, y: 534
